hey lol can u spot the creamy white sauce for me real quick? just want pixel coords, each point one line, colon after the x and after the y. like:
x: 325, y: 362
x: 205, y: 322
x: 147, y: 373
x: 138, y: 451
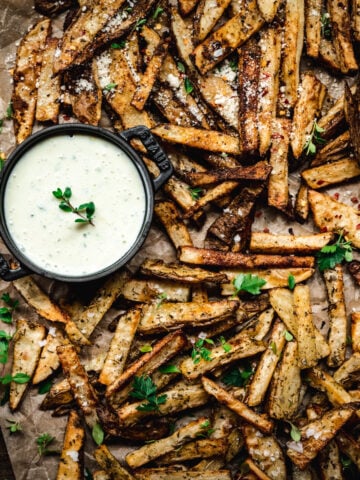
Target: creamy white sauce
x: 96, y: 170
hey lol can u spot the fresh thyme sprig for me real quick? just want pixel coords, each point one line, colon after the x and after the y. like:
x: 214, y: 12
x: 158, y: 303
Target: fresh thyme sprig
x: 85, y: 211
x: 43, y: 441
x: 314, y: 139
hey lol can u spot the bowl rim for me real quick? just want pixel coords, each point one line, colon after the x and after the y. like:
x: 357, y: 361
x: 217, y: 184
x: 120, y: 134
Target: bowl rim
x: 64, y: 130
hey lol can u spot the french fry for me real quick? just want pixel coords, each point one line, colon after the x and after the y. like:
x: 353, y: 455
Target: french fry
x: 47, y: 104
x: 27, y: 68
x: 322, y: 380
x: 149, y: 290
x: 180, y: 397
x: 107, y: 461
x: 204, y: 448
x: 337, y: 315
x: 306, y: 339
x: 307, y: 108
x: 355, y: 331
x: 315, y: 435
x: 71, y: 460
x: 260, y: 421
x: 351, y: 365
x: 285, y: 388
x: 332, y: 173
x: 81, y: 388
x: 302, y: 206
x: 231, y: 35
x: 292, y: 48
x: 328, y: 55
x: 348, y: 445
x: 241, y: 346
x: 266, y: 366
x: 313, y: 27
x: 169, y: 216
x: 157, y: 448
x: 263, y: 324
x: 198, y: 138
x: 278, y: 187
x: 287, y: 244
x: 187, y: 5
x: 27, y: 347
x: 173, y: 473
x: 174, y: 271
x: 170, y: 316
x: 334, y: 216
x: 334, y: 150
x: 202, y: 256
x: 206, y: 17
x: 119, y: 347
x: 256, y: 470
x: 329, y: 461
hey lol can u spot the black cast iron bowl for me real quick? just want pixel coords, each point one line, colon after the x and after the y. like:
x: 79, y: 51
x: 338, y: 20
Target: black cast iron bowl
x: 121, y: 140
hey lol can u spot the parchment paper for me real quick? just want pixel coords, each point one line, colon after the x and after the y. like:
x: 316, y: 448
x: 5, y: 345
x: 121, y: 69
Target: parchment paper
x: 15, y: 18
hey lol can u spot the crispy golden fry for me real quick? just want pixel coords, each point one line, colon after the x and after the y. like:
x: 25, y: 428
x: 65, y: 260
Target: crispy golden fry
x: 175, y: 271
x: 46, y: 308
x: 334, y: 216
x: 174, y: 473
x: 59, y: 394
x: 328, y: 55
x: 149, y: 290
x: 49, y: 361
x: 341, y: 32
x: 228, y: 37
x: 169, y: 216
x: 202, y: 256
x: 170, y: 316
x: 302, y: 206
x: 260, y: 421
x: 187, y: 5
x: 27, y: 347
x: 337, y: 315
x: 355, y: 11
x: 270, y: 46
x: 333, y: 118
x: 293, y: 39
x: 27, y: 68
x: 101, y: 475
x: 179, y: 397
x: 307, y: 108
x: 315, y: 435
x: 263, y: 324
x: 241, y: 346
x: 101, y: 303
x: 197, y: 449
x: 198, y: 138
x: 161, y: 352
x: 287, y: 244
x: 285, y: 388
x: 322, y: 380
x: 157, y: 448
x: 252, y: 466
x: 71, y: 461
x: 266, y: 366
x: 106, y: 460
x: 306, y: 337
x: 329, y: 461
x: 344, y: 372
x: 355, y: 331
x: 119, y: 347
x: 47, y: 103
x: 81, y: 388
x: 260, y: 171
x: 278, y: 187
x: 313, y: 27
x: 335, y: 149
x: 332, y: 173
x: 206, y: 16
x: 248, y: 88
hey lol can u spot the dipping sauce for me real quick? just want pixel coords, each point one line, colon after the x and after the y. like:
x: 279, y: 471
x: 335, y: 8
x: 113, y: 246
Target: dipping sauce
x: 97, y: 171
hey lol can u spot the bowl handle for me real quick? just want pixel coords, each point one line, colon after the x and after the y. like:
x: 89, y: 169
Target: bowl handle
x: 154, y: 151
x: 9, y: 274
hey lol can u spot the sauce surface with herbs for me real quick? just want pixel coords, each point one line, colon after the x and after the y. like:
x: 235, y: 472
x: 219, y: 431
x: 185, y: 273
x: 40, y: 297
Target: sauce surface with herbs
x: 96, y: 171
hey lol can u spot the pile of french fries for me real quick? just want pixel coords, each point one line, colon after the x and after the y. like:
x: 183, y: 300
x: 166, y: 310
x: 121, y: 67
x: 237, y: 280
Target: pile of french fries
x: 220, y: 84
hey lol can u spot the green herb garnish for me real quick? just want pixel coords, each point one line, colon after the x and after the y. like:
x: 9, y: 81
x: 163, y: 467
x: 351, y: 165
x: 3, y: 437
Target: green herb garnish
x: 291, y: 282
x: 169, y: 369
x: 226, y: 346
x: 325, y: 26
x: 17, y: 378
x: 233, y: 65
x: 110, y: 86
x: 288, y: 336
x: 6, y: 312
x: 85, y: 211
x: 314, y: 139
x: 143, y: 388
x: 200, y: 351
x: 236, y: 377
x: 331, y: 255
x: 162, y: 296
x: 14, y: 426
x: 118, y: 45
x: 4, y: 346
x: 188, y: 85
x: 157, y: 12
x: 248, y: 283
x: 43, y: 441
x: 145, y: 348
x: 181, y: 67
x: 140, y: 23
x: 273, y: 347
x: 97, y: 434
x: 206, y: 429
x: 44, y: 387
x: 195, y: 192
x: 295, y: 433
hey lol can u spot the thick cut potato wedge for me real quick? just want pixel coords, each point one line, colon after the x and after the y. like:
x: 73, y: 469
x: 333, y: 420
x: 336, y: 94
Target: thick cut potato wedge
x: 71, y: 461
x: 306, y: 337
x: 268, y: 8
x: 355, y: 331
x: 149, y: 290
x: 173, y: 473
x: 331, y: 215
x: 287, y: 244
x: 313, y: 27
x: 198, y: 449
x: 107, y: 461
x: 206, y: 16
x: 175, y: 227
x: 348, y: 445
x: 27, y: 69
x: 27, y: 347
x: 332, y: 173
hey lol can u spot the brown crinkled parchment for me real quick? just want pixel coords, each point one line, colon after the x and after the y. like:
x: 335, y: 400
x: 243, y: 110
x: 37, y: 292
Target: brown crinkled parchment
x: 15, y: 18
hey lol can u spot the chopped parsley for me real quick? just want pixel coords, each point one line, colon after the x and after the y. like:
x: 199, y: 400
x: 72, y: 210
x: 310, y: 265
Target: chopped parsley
x: 331, y: 255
